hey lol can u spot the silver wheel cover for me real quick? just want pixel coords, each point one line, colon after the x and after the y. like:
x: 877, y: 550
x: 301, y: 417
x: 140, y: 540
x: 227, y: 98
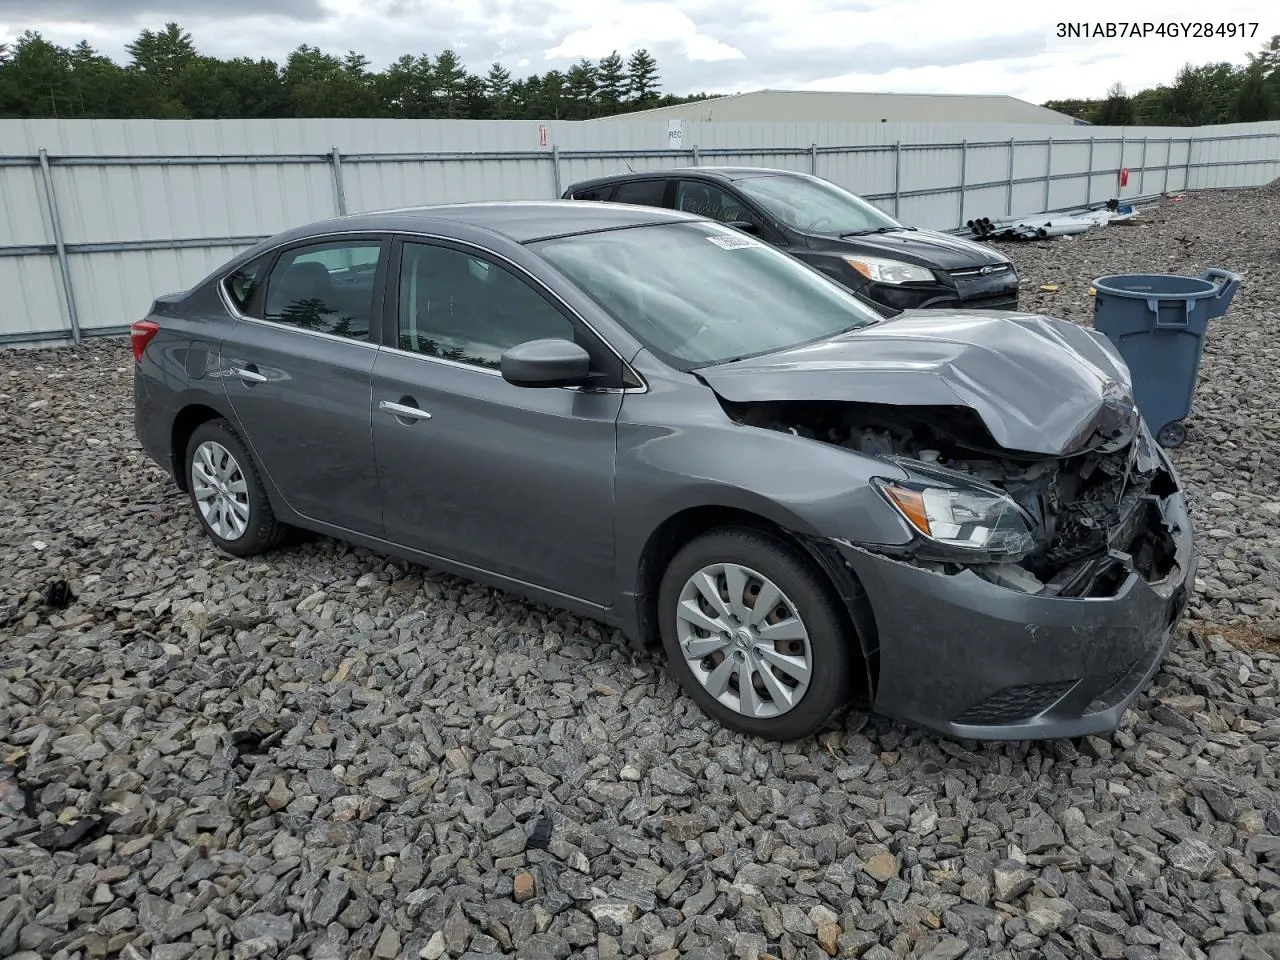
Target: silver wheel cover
x: 744, y: 641
x: 221, y: 493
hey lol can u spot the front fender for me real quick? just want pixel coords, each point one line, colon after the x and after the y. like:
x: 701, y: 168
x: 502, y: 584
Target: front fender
x: 813, y: 489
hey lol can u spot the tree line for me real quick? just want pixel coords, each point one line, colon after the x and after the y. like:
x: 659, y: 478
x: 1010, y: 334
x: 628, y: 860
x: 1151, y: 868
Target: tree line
x: 1198, y: 96
x: 168, y: 78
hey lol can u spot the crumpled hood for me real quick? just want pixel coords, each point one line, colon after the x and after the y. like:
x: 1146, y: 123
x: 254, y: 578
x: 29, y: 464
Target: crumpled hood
x: 1040, y: 385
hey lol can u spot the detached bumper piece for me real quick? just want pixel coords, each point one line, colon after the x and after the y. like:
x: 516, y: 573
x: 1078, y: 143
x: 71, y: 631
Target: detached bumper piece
x: 972, y: 659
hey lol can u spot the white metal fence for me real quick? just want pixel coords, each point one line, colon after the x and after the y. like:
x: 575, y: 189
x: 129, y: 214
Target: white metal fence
x: 99, y: 216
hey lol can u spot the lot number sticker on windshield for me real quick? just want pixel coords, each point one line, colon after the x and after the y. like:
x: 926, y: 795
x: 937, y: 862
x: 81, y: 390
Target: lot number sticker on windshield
x: 734, y: 243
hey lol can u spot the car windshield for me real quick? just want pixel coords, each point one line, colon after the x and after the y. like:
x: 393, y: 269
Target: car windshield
x: 812, y: 205
x: 702, y: 293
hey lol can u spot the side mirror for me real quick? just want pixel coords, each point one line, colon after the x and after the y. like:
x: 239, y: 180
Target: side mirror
x: 546, y: 363
x: 745, y: 226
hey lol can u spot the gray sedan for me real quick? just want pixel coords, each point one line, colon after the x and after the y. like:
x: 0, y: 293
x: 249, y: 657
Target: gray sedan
x: 655, y: 420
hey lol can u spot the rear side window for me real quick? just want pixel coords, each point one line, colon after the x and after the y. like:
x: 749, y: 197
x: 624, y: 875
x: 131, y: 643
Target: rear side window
x: 647, y: 193
x: 242, y: 284
x: 594, y: 193
x: 327, y: 287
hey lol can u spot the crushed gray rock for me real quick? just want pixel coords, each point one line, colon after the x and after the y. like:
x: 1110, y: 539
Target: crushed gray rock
x: 325, y: 753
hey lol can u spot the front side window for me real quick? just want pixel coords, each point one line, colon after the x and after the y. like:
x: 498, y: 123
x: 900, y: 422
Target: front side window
x: 646, y: 193
x: 594, y: 193
x: 812, y: 205
x: 699, y: 293
x: 708, y: 200
x: 325, y: 287
x: 461, y: 307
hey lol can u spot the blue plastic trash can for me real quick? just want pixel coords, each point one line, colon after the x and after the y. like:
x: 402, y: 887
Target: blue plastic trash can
x: 1158, y: 322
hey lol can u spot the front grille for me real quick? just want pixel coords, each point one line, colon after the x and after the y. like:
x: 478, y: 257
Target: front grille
x: 1015, y: 704
x: 993, y: 270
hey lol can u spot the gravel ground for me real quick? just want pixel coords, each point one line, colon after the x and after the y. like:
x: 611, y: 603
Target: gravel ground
x: 325, y: 754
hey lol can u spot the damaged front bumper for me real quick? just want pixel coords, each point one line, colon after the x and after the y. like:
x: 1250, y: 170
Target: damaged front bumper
x: 970, y: 658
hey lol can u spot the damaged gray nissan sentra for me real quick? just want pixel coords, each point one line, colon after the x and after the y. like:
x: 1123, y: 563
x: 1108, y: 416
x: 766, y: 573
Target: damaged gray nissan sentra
x: 652, y: 419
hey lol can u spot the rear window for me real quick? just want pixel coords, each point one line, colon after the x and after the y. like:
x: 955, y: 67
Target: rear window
x: 646, y: 193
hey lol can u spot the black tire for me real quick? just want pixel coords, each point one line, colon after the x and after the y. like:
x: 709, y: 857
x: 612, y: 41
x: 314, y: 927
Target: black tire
x: 831, y: 645
x: 263, y: 531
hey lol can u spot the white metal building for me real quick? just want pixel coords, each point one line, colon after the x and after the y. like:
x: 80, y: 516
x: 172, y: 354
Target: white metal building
x: 811, y: 106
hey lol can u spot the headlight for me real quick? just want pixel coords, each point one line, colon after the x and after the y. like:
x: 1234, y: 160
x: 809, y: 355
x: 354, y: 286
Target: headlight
x: 889, y: 271
x: 966, y: 524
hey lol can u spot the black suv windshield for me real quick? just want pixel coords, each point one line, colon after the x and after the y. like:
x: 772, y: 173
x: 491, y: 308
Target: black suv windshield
x: 813, y: 205
x: 698, y: 294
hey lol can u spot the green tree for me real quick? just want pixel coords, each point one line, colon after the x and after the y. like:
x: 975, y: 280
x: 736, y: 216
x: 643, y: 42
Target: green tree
x: 37, y: 79
x: 166, y: 76
x: 611, y: 82
x: 210, y: 88
x: 1254, y: 100
x: 450, y: 76
x: 409, y: 88
x: 643, y: 77
x: 497, y: 89
x: 580, y: 87
x: 1117, y: 110
x: 162, y: 55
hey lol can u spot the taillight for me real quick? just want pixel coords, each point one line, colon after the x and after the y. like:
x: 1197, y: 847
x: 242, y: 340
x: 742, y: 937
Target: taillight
x: 140, y: 335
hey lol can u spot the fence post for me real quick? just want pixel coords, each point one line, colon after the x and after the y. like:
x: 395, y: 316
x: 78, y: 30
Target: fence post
x: 1008, y: 187
x: 1186, y: 173
x: 1142, y: 168
x: 1168, y: 162
x: 555, y: 170
x: 51, y: 201
x: 964, y: 170
x: 813, y: 159
x: 697, y: 156
x: 897, y: 175
x: 339, y: 189
x: 1088, y: 190
x: 1048, y: 172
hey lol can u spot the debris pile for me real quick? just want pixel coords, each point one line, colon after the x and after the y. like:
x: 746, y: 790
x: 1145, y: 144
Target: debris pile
x: 1044, y: 226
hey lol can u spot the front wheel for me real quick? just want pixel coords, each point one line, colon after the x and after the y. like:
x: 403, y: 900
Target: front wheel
x: 754, y: 635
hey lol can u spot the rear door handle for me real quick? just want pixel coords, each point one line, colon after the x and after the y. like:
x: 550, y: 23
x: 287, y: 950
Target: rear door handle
x: 403, y: 410
x: 247, y: 375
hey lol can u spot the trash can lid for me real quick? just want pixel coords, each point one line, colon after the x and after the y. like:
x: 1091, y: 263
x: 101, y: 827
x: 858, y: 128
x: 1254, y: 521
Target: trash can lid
x: 1145, y: 286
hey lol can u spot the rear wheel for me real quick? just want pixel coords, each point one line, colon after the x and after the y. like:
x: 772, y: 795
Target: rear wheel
x: 754, y: 635
x: 227, y: 492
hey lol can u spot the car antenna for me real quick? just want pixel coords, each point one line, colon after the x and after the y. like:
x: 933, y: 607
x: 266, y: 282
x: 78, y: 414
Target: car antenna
x: 630, y: 169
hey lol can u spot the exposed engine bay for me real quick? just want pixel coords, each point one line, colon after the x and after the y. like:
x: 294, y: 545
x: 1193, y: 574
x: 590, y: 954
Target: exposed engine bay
x: 1095, y: 515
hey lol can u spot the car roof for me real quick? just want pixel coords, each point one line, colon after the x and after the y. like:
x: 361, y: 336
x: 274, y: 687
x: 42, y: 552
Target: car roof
x: 724, y: 174
x: 519, y: 220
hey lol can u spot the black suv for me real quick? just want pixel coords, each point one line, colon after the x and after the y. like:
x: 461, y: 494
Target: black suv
x: 830, y: 229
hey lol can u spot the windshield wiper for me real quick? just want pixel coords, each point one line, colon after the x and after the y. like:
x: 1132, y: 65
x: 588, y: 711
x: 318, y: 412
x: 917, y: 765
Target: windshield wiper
x: 863, y: 233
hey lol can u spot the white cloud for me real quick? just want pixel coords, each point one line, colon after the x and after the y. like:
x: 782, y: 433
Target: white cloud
x: 627, y: 27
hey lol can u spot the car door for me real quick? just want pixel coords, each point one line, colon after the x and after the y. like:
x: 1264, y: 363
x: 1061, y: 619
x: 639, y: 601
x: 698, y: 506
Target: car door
x: 513, y: 480
x: 296, y: 367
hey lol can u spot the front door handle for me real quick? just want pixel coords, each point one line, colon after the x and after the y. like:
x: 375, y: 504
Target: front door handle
x: 247, y: 375
x: 403, y: 411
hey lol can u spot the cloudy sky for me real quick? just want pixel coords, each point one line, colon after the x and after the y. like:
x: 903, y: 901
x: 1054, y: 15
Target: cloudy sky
x: 722, y: 46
